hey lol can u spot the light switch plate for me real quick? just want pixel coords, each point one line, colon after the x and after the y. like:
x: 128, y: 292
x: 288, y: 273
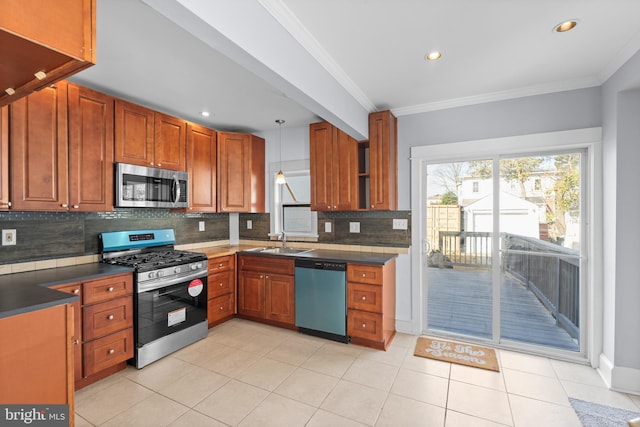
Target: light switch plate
x: 9, y: 237
x: 327, y: 227
x: 400, y: 224
x: 354, y: 227
x: 201, y: 226
x: 249, y: 224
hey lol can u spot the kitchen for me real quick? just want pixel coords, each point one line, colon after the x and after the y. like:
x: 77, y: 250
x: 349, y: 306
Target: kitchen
x: 81, y: 230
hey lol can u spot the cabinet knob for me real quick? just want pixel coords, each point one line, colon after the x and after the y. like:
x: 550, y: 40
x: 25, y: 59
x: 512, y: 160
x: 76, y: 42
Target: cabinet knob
x: 151, y: 163
x: 328, y: 207
x: 371, y: 206
x: 110, y: 317
x: 111, y: 351
x: 364, y: 325
x: 159, y: 165
x: 364, y: 298
x: 110, y: 289
x: 221, y: 284
x: 364, y: 274
x: 76, y: 342
x: 76, y: 291
x: 64, y: 205
x: 76, y: 206
x: 266, y: 277
x: 221, y: 308
x: 221, y: 265
x: 334, y: 207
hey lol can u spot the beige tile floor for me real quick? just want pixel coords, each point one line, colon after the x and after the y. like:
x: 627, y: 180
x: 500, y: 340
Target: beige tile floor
x: 248, y: 374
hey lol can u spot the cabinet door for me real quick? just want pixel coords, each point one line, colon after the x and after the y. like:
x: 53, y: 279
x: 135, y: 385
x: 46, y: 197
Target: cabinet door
x: 321, y: 139
x: 75, y: 289
x: 251, y: 294
x: 383, y: 156
x: 234, y: 178
x: 280, y: 298
x: 344, y: 172
x: 201, y: 165
x: 169, y: 143
x: 4, y: 158
x: 91, y: 116
x: 134, y: 134
x: 39, y: 150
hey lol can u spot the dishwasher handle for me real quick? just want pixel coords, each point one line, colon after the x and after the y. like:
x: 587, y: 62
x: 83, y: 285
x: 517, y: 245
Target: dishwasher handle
x: 321, y: 264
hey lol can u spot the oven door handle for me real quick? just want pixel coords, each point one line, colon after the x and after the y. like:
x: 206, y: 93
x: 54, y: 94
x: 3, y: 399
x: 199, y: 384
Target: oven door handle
x: 150, y: 285
x: 176, y: 189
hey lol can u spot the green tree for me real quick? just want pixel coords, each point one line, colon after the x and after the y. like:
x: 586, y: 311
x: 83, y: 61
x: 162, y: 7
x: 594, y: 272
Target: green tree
x: 449, y: 198
x: 519, y: 170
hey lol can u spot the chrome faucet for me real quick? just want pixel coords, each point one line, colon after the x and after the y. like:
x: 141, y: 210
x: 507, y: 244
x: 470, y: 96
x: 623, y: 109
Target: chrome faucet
x: 283, y: 237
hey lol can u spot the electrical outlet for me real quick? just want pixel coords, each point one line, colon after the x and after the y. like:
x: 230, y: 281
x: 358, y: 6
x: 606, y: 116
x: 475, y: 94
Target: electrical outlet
x: 327, y: 227
x: 201, y: 226
x: 400, y: 224
x: 9, y: 237
x: 249, y: 224
x: 354, y: 227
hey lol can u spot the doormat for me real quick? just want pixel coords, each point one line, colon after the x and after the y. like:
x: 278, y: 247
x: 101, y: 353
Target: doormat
x: 595, y: 415
x: 455, y: 352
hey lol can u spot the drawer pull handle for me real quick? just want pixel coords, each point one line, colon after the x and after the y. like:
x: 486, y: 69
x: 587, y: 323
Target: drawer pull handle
x: 110, y: 317
x: 111, y: 351
x: 110, y: 289
x: 364, y: 325
x: 76, y: 291
x: 364, y: 274
x: 364, y: 298
x: 221, y: 265
x: 221, y: 308
x: 221, y: 285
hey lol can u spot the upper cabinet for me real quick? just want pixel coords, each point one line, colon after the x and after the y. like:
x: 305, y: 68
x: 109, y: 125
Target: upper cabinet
x: 383, y: 161
x: 333, y: 168
x: 201, y: 165
x: 42, y: 42
x: 241, y: 172
x: 148, y: 138
x: 5, y: 203
x: 62, y: 150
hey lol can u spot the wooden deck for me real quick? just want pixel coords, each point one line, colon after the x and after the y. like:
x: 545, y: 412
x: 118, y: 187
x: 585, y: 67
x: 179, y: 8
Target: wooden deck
x: 460, y: 302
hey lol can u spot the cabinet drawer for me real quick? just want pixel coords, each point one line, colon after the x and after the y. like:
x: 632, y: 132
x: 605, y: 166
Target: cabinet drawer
x: 221, y: 307
x: 105, y: 289
x: 75, y: 289
x: 220, y: 284
x: 222, y: 263
x: 364, y: 325
x: 371, y: 274
x: 108, y: 351
x: 105, y: 318
x: 267, y: 264
x: 364, y: 297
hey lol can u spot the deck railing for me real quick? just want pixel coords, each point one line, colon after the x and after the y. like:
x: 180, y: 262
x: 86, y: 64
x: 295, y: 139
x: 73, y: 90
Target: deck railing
x: 550, y: 271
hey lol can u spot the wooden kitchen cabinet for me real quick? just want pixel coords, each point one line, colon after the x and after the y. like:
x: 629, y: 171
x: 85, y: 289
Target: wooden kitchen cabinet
x: 105, y: 331
x: 221, y: 289
x: 91, y: 117
x: 266, y: 289
x: 36, y: 358
x: 383, y: 162
x: 333, y: 168
x: 241, y: 172
x: 148, y: 138
x: 39, y: 150
x: 75, y: 289
x: 371, y: 304
x: 55, y: 38
x: 5, y: 202
x: 202, y: 168
x: 62, y: 150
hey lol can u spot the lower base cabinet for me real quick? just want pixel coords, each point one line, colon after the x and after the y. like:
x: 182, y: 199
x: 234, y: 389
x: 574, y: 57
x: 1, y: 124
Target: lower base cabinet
x: 221, y: 288
x: 36, y: 357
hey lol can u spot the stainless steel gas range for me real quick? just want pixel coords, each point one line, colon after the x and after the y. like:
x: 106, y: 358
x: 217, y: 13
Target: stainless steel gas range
x: 170, y: 295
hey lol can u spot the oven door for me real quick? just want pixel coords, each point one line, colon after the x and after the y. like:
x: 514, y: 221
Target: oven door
x: 169, y: 309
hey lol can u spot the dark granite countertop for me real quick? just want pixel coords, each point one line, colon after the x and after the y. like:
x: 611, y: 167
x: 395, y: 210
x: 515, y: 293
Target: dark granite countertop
x: 29, y: 291
x: 375, y: 258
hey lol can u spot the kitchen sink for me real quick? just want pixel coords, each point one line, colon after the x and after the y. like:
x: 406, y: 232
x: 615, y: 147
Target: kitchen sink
x: 281, y: 251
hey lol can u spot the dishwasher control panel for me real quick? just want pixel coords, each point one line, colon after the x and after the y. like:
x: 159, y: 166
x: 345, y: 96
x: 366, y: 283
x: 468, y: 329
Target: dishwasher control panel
x: 321, y: 265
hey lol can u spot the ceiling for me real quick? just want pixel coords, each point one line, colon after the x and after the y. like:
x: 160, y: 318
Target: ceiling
x: 491, y: 50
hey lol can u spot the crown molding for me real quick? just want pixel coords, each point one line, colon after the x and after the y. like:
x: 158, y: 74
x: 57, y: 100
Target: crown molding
x: 299, y: 32
x: 620, y: 58
x: 496, y: 96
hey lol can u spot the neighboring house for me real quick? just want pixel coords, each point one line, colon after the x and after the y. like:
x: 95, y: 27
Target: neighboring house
x: 517, y: 216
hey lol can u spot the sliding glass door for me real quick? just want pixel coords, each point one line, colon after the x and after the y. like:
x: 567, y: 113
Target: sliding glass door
x: 503, y: 243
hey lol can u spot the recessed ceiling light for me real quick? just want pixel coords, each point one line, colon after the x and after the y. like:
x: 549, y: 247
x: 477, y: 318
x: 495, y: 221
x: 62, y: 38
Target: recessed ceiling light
x: 432, y: 56
x: 565, y: 26
x: 204, y: 113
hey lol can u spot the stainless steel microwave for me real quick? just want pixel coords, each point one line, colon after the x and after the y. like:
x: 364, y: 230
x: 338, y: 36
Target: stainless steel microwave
x: 144, y: 187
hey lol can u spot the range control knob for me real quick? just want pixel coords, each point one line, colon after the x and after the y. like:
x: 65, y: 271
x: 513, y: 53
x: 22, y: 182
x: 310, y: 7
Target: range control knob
x: 194, y: 266
x: 160, y: 273
x: 176, y: 270
x: 150, y: 275
x: 199, y: 265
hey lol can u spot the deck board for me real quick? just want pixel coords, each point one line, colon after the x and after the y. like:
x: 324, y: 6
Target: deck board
x: 460, y: 301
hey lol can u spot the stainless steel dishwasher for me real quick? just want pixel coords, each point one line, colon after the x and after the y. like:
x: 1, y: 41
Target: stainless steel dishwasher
x: 321, y: 298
